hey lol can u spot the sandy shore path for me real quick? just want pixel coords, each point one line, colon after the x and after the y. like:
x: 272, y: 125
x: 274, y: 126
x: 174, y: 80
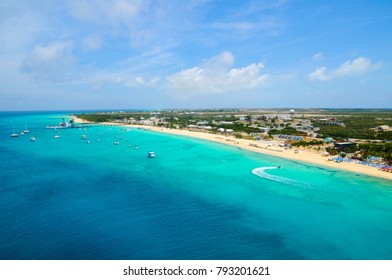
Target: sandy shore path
x: 266, y: 148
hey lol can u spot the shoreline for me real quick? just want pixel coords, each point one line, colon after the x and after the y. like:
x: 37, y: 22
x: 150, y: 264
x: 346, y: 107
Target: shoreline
x: 265, y: 148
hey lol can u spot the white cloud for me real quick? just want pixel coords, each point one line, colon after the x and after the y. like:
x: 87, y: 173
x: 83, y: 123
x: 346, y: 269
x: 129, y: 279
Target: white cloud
x: 319, y: 74
x: 220, y: 62
x: 51, y: 62
x: 107, y: 12
x: 215, y: 76
x: 124, y: 78
x: 137, y: 82
x: 354, y: 67
x: 92, y: 43
x: 233, y: 26
x: 318, y: 56
x: 125, y: 10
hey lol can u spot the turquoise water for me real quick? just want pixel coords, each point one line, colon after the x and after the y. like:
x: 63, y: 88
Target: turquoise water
x: 62, y: 198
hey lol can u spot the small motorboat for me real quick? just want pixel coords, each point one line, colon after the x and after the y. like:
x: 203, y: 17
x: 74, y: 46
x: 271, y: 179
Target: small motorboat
x: 151, y: 154
x: 32, y: 139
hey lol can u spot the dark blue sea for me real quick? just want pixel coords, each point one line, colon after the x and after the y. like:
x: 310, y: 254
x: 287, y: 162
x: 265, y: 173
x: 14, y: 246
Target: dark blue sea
x: 66, y: 198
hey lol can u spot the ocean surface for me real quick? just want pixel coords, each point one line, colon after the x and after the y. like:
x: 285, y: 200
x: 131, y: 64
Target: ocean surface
x: 64, y: 198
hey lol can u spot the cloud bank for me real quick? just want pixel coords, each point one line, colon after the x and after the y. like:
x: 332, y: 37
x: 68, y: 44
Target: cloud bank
x: 216, y: 75
x: 354, y: 67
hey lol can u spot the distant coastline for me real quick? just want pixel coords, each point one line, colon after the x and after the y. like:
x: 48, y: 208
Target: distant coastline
x: 302, y: 155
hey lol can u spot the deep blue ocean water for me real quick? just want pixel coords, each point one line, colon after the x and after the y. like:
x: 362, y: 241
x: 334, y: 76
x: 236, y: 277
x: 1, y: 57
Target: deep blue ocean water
x: 62, y: 198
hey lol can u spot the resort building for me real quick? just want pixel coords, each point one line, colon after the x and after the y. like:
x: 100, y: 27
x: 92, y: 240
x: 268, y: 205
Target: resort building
x: 343, y: 145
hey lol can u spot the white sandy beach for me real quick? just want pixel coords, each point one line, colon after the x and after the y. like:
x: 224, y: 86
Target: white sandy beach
x: 265, y: 148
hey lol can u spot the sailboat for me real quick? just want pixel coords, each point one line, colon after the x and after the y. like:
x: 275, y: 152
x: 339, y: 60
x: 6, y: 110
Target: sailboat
x: 26, y: 130
x: 14, y: 134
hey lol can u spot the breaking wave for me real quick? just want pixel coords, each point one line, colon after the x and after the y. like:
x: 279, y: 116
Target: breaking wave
x: 261, y: 172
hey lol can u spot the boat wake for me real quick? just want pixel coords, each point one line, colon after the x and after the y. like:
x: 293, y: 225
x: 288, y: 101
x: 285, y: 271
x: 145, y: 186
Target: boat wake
x: 261, y: 172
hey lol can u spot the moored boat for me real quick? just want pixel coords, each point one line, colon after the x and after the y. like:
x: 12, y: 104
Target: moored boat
x: 14, y: 134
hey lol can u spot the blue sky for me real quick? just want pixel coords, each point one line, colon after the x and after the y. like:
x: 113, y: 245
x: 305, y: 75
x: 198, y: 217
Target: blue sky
x: 119, y: 54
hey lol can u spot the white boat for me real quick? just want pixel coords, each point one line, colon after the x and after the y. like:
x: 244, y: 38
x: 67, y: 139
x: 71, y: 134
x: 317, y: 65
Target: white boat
x: 151, y: 154
x: 14, y: 134
x: 136, y: 147
x: 116, y: 143
x: 26, y: 130
x: 32, y: 139
x: 57, y: 136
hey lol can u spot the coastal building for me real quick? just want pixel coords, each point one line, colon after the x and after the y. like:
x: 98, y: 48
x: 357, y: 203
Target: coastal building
x: 383, y: 128
x: 343, y: 145
x: 241, y: 117
x: 306, y: 122
x: 329, y: 140
x: 264, y: 129
x: 334, y: 123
